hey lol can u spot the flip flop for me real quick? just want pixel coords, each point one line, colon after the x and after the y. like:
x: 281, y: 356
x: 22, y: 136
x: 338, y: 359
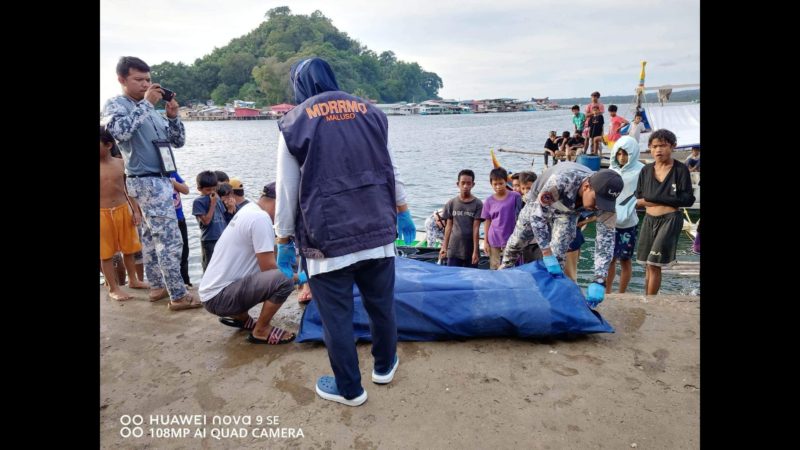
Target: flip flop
x: 157, y: 294
x: 236, y: 323
x: 184, y: 304
x: 274, y: 337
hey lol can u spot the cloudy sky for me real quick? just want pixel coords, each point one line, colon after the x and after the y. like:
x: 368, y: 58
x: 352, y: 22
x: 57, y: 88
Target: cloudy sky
x: 480, y: 49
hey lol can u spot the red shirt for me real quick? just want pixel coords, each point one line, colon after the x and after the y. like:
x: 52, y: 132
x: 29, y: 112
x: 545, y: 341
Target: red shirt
x: 616, y: 124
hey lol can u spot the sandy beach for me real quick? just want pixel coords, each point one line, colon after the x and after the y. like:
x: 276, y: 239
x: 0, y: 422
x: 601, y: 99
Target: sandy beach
x: 183, y: 380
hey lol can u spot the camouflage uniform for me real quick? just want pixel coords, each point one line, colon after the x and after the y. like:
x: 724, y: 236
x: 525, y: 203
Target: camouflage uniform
x: 134, y: 125
x: 551, y: 218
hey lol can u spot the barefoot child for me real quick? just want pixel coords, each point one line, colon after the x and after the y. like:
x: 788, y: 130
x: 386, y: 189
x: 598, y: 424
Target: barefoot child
x: 119, y: 216
x: 462, y: 216
x: 626, y: 163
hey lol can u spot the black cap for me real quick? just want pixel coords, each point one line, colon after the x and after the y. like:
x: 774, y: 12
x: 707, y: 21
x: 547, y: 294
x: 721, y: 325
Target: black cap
x: 269, y: 190
x: 607, y: 185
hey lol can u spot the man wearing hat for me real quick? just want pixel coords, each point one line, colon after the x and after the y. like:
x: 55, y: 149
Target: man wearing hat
x: 551, y: 213
x: 238, y: 193
x: 268, y: 196
x: 341, y: 199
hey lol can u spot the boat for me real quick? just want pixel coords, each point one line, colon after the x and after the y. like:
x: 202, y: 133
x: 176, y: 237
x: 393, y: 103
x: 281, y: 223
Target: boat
x: 544, y: 104
x: 396, y: 109
x: 419, y: 250
x: 690, y: 227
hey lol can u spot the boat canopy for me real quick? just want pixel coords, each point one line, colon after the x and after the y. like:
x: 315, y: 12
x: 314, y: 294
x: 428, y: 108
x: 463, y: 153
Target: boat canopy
x: 683, y: 120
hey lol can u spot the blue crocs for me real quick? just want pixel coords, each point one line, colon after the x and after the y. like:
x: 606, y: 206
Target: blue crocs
x: 326, y: 388
x: 387, y: 377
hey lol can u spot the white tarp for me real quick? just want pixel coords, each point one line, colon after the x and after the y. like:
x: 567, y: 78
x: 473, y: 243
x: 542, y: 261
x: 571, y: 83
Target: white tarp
x: 683, y: 120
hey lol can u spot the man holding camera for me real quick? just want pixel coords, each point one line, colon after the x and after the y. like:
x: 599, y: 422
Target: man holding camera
x: 141, y: 132
x: 210, y: 211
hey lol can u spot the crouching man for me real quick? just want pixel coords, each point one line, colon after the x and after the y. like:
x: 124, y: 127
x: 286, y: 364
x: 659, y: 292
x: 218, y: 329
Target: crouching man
x: 243, y: 273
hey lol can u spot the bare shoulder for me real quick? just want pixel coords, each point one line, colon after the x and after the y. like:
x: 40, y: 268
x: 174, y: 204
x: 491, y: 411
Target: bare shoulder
x: 118, y: 166
x: 114, y: 167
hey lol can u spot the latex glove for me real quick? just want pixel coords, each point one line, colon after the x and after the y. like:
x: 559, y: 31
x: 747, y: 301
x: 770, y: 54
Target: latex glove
x: 551, y: 262
x: 302, y: 278
x: 595, y: 294
x: 406, y: 227
x: 286, y: 257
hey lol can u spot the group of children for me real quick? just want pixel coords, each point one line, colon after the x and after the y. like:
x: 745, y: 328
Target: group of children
x: 457, y: 225
x: 459, y: 221
x: 564, y: 147
x: 590, y: 125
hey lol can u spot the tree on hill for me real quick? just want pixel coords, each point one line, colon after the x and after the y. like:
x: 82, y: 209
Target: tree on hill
x: 255, y: 66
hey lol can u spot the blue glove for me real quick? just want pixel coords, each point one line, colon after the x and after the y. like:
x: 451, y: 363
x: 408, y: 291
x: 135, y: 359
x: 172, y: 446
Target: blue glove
x: 286, y: 257
x: 302, y: 278
x: 595, y: 294
x: 551, y: 262
x: 406, y: 227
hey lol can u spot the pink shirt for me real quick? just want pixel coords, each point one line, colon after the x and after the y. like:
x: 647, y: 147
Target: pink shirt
x: 592, y: 105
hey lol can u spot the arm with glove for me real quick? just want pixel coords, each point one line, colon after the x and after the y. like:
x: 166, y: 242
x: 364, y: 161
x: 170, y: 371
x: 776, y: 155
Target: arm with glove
x: 287, y: 257
x: 551, y: 263
x: 286, y: 201
x: 405, y: 226
x: 603, y: 254
x: 406, y: 229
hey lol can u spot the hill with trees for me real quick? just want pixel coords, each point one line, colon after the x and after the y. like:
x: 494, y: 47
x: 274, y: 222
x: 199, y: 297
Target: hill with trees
x: 255, y: 67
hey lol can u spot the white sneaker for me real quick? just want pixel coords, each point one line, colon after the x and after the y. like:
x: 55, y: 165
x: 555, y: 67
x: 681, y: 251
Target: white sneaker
x: 386, y: 378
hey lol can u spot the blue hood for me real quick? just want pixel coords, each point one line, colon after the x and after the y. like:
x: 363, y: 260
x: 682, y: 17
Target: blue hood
x: 310, y: 77
x: 626, y: 214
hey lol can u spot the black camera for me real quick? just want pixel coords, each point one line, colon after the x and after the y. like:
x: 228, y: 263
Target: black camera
x: 224, y: 189
x: 167, y: 94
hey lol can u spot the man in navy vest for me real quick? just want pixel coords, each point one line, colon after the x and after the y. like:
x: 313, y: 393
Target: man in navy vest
x: 341, y: 199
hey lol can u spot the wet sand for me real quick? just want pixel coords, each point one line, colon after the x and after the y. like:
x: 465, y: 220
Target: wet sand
x: 638, y: 386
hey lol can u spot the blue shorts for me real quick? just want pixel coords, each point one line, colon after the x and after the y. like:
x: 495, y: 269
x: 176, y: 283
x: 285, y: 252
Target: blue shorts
x: 625, y: 243
x: 577, y: 242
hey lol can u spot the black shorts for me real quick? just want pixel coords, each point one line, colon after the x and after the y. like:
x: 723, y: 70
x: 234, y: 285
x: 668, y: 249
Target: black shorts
x: 658, y: 238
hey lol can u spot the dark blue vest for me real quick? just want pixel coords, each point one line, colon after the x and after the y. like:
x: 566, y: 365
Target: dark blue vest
x: 347, y: 196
